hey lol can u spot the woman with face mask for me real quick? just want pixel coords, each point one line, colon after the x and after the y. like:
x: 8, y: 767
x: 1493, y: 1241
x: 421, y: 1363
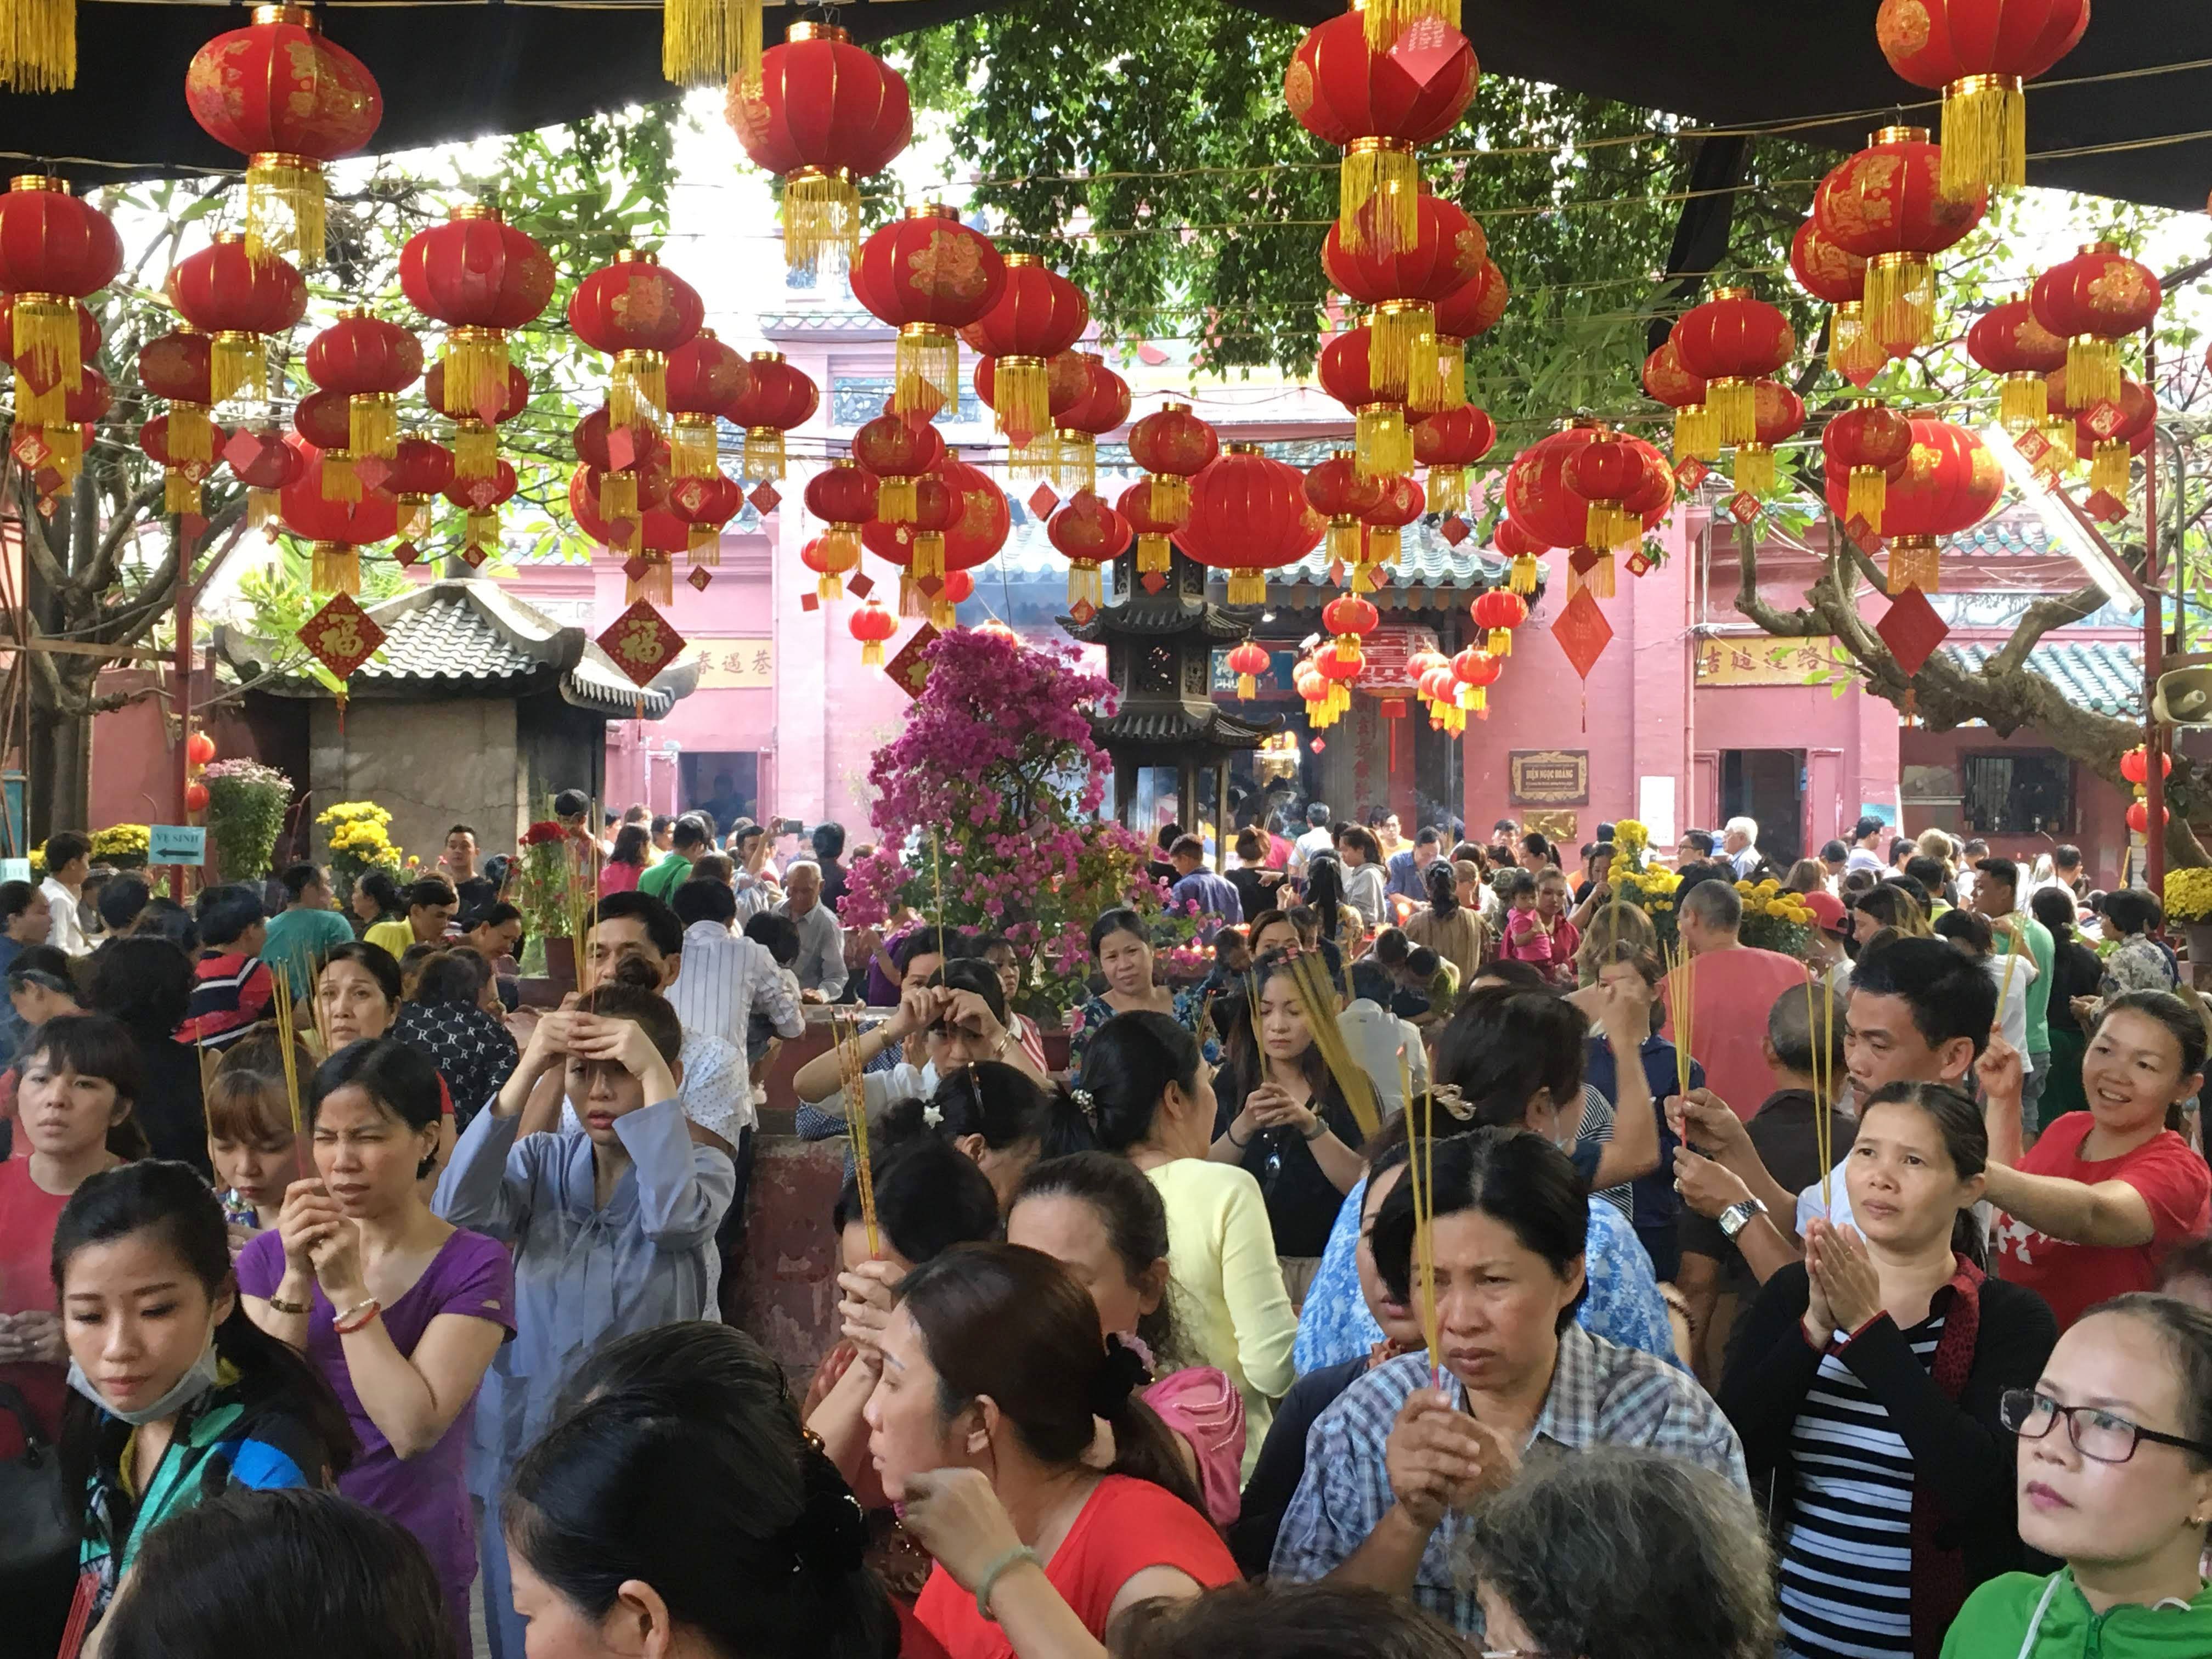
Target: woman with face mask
x: 179, y: 1397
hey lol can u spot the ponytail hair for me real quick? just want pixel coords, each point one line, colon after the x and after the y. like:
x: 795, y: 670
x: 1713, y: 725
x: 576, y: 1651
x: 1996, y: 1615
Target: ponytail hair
x: 1008, y: 1322
x: 1001, y: 1104
x: 1442, y: 884
x: 1128, y: 1065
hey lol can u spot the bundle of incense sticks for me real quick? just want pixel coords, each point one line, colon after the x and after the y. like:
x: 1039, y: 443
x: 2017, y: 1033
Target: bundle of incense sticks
x: 1681, y: 1007
x: 581, y: 900
x: 2009, y: 927
x: 1420, y: 1169
x: 845, y: 1033
x: 322, y: 1048
x: 1822, y: 1039
x: 937, y: 879
x: 280, y: 1005
x: 1310, y: 976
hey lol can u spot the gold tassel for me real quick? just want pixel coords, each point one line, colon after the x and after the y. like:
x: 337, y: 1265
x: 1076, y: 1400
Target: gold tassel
x: 1521, y: 575
x: 1600, y: 577
x: 1361, y: 579
x: 1343, y: 541
x: 1474, y: 698
x: 414, y: 517
x: 1246, y: 688
x: 821, y: 215
x: 691, y: 447
x: 1151, y: 555
x: 1447, y: 489
x: 334, y: 568
x: 639, y: 389
x: 1382, y: 544
x: 1733, y: 406
x: 49, y: 408
x: 284, y: 209
x: 830, y: 587
x: 1500, y: 643
x: 1392, y: 330
x: 913, y: 602
x: 1170, y: 495
x: 37, y: 45
x: 871, y: 654
x: 1248, y: 586
x: 1913, y: 563
x: 1076, y: 466
x: 65, y: 450
x: 1900, y: 300
x: 373, y: 424
x: 929, y: 554
x: 475, y: 373
x: 709, y: 551
x: 1436, y: 378
x: 1606, y: 524
x: 340, y: 482
x: 655, y: 584
x: 1386, y: 19
x: 1984, y: 136
x: 2058, y: 432
x: 1086, y: 585
x: 1023, y: 387
x: 705, y: 43
x: 1384, y: 167
x: 1754, y: 469
x: 480, y: 528
x: 2023, y: 401
x: 263, y: 508
x: 618, y: 496
x: 238, y: 366
x: 1865, y: 494
x: 2108, y: 468
x: 1037, y: 458
x: 763, y: 454
x: 191, y: 437
x: 44, y: 342
x: 927, y: 363
x: 1382, y: 446
x: 1696, y: 433
x: 2092, y: 372
x: 896, y: 501
x: 476, y: 450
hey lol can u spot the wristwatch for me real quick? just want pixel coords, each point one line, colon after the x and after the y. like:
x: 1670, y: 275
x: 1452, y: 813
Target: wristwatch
x: 1737, y: 1216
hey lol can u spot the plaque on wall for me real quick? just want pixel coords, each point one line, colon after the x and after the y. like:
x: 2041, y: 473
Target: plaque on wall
x: 1548, y: 777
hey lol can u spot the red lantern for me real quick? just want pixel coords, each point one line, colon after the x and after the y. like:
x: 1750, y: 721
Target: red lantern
x: 928, y: 275
x: 1405, y: 283
x: 1359, y: 96
x: 480, y: 277
x: 1604, y: 472
x: 1498, y: 612
x: 480, y: 500
x: 2008, y: 341
x: 177, y: 365
x: 1949, y: 484
x: 961, y: 519
x: 1402, y: 502
x: 1884, y: 205
x: 180, y: 478
x: 655, y: 534
x: 1778, y: 415
x: 824, y: 115
x: 196, y: 796
x: 1436, y: 376
x: 705, y: 504
x: 1515, y: 543
x: 829, y: 561
x: 843, y: 498
x: 2093, y: 301
x: 1248, y: 514
x: 421, y: 469
x: 1828, y: 273
x: 2135, y: 765
x: 1448, y: 443
x: 65, y: 442
x: 1247, y: 662
x: 1174, y: 446
x: 1087, y: 534
x: 1038, y: 315
x: 29, y: 395
x: 239, y: 300
x: 271, y: 466
x: 54, y: 250
x: 776, y: 398
x: 897, y: 450
x: 476, y: 444
x: 370, y: 362
x: 636, y: 311
x: 1341, y: 493
x: 1979, y: 52
x: 2123, y: 434
x: 200, y: 749
x: 1863, y: 448
x: 1476, y: 670
x: 1351, y: 618
x: 2139, y: 817
x: 705, y: 377
x: 337, y: 530
x: 1075, y: 438
x: 872, y: 625
x: 1381, y: 440
x: 1538, y: 499
x: 1666, y: 381
x: 1731, y: 342
x: 1067, y: 388
x: 1153, y: 521
x: 291, y: 102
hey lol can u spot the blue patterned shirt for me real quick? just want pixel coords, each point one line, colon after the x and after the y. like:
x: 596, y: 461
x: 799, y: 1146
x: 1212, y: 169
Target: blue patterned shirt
x: 1622, y: 1305
x: 1601, y: 1395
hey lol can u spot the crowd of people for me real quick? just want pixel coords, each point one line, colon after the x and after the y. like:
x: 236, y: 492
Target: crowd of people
x: 1410, y: 1285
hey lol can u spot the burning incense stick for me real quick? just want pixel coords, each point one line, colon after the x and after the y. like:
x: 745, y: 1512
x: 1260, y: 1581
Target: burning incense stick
x: 844, y: 1035
x: 280, y: 1000
x: 1317, y: 997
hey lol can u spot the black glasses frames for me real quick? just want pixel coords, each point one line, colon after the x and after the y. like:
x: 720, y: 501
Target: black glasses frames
x: 2102, y: 1435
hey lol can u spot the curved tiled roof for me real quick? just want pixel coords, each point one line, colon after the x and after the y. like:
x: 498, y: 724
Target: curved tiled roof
x: 2105, y: 676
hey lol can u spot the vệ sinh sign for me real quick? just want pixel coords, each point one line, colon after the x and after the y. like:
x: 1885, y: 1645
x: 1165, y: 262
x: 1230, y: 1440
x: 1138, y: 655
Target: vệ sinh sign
x: 1548, y: 777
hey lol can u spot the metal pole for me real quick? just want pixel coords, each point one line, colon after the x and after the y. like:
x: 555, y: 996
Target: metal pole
x: 183, y: 670
x: 2154, y: 649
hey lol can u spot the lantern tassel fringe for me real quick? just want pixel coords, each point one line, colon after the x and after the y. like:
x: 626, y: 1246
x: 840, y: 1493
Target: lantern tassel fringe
x: 238, y: 366
x: 181, y: 492
x: 1390, y: 172
x: 1086, y: 585
x: 1151, y: 555
x: 1521, y: 575
x: 373, y: 424
x: 927, y: 365
x: 2093, y: 371
x: 2108, y: 468
x: 475, y: 373
x: 707, y: 43
x: 40, y: 49
x: 1900, y: 300
x: 192, y: 437
x: 820, y: 216
x: 1733, y: 406
x: 1754, y: 469
x: 1170, y: 495
x: 1696, y: 433
x: 1865, y: 494
x: 2023, y: 401
x: 1984, y: 136
x: 284, y: 209
x: 1382, y: 447
x: 341, y: 483
x: 476, y: 451
x: 763, y: 454
x: 1022, y: 387
x: 691, y: 447
x: 1391, y: 338
x: 1436, y: 376
x: 1913, y: 562
x: 896, y: 500
x: 334, y: 568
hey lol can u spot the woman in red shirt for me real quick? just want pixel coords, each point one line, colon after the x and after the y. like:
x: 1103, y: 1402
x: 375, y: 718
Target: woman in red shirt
x: 2091, y: 1210
x: 984, y: 1425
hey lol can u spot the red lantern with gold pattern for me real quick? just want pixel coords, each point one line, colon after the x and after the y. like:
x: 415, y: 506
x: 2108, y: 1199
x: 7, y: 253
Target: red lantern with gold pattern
x: 1067, y: 385
x: 1402, y: 502
x: 1405, y: 283
x: 54, y: 250
x: 706, y: 505
x: 1476, y: 670
x: 705, y: 377
x: 1886, y: 205
x: 1436, y: 374
x: 1448, y: 443
x: 872, y: 625
x: 1497, y: 613
x: 1360, y: 96
x: 2109, y: 438
x: 1863, y: 447
x: 1088, y: 534
x: 179, y: 366
x: 1949, y: 484
x: 337, y: 530
x: 2093, y: 301
x: 324, y: 420
x: 635, y: 310
x: 1778, y: 416
x: 370, y: 362
x: 776, y: 398
x: 2007, y: 341
x: 1174, y: 446
x: 480, y: 500
x: 1247, y: 662
x: 239, y: 300
x: 1075, y: 437
x: 1538, y: 499
x: 1520, y: 548
x: 1381, y: 438
x: 1038, y: 315
x: 928, y: 275
x: 290, y: 100
x: 897, y: 450
x: 481, y: 277
x: 844, y: 498
x: 1979, y: 52
x: 1828, y: 273
x: 1248, y: 514
x: 824, y: 115
x: 961, y: 519
x: 1666, y: 381
x: 1154, y: 519
x: 1341, y: 493
x: 1730, y: 342
x: 655, y: 533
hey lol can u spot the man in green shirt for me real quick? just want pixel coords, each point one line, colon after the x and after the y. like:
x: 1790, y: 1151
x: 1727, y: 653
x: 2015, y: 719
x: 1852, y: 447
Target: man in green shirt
x: 691, y: 843
x: 1996, y: 892
x: 304, y: 932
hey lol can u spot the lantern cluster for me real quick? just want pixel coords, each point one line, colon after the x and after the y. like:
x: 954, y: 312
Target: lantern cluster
x: 2135, y: 767
x: 1589, y: 490
x: 1946, y: 483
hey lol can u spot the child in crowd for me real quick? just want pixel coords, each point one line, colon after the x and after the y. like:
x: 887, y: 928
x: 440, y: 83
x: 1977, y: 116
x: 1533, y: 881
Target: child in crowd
x: 231, y: 987
x: 252, y: 1138
x: 1528, y: 937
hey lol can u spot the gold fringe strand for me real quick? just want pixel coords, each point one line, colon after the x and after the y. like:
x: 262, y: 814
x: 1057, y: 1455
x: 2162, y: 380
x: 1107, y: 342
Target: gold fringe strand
x: 1151, y: 555
x: 927, y: 364
x: 262, y: 510
x: 2108, y: 468
x: 929, y: 556
x: 1733, y: 406
x: 1865, y: 494
x: 821, y: 216
x: 476, y: 451
x: 1170, y: 495
x: 1373, y: 167
x: 284, y: 209
x: 340, y: 482
x: 373, y: 424
x: 191, y: 436
x: 2023, y: 401
x: 475, y: 373
x: 1248, y: 586
x: 1436, y: 377
x: 1696, y: 433
x: 691, y: 447
x: 1521, y: 575
x: 334, y: 568
x: 1754, y: 469
x: 763, y: 454
x: 37, y: 45
x: 618, y: 496
x: 237, y: 367
x: 1913, y: 563
x: 1984, y: 136
x: 2092, y: 372
x: 638, y: 393
x: 1382, y: 444
x: 1076, y: 462
x: 1387, y: 19
x: 1500, y: 643
x: 1393, y: 328
x: 1382, y: 541
x: 1023, y: 387
x: 1085, y: 586
x: 707, y: 43
x: 1900, y: 300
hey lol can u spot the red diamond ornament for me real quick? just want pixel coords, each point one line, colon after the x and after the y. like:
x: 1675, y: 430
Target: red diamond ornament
x: 245, y: 447
x: 1083, y: 611
x: 1690, y: 472
x: 636, y: 566
x: 1583, y: 631
x: 2032, y: 446
x: 764, y: 500
x: 373, y: 470
x: 1583, y: 561
x: 2105, y: 507
x: 641, y: 643
x: 1453, y: 529
x: 1042, y: 500
x: 1638, y: 562
x: 906, y: 669
x: 699, y: 578
x: 2105, y: 419
x: 408, y: 554
x: 1153, y: 580
x: 1743, y: 507
x: 472, y: 555
x: 1319, y: 745
x: 1424, y: 47
x: 1864, y: 534
x: 1912, y: 630
x: 808, y: 601
x: 30, y: 447
x: 860, y: 586
x: 341, y: 635
x: 621, y: 447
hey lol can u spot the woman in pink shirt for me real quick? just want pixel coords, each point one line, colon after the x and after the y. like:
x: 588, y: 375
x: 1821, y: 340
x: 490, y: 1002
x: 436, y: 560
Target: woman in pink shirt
x: 619, y: 874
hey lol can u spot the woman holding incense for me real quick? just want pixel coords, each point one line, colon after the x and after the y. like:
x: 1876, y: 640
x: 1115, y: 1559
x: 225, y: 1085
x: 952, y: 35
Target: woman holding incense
x: 1867, y: 1379
x: 1121, y: 950
x: 399, y: 1311
x: 253, y: 1130
x: 1283, y: 1115
x: 960, y: 1018
x: 1146, y: 1095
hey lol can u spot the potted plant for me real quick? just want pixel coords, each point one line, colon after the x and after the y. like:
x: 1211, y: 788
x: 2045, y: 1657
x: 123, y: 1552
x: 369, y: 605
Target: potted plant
x: 245, y: 815
x: 556, y: 894
x: 2188, y: 899
x: 121, y: 845
x: 359, y: 840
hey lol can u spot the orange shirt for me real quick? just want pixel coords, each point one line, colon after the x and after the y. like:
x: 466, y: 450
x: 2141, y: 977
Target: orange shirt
x: 1733, y: 991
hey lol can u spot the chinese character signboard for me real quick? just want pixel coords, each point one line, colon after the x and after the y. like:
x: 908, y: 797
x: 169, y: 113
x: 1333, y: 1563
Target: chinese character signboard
x: 746, y: 665
x: 1548, y: 777
x: 1760, y: 660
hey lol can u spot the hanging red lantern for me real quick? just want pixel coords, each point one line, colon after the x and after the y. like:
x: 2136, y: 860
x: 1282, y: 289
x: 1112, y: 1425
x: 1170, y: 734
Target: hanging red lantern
x: 2007, y: 341
x: 177, y: 366
x: 1603, y: 472
x: 824, y: 115
x: 476, y: 440
x: 830, y: 562
x: 1778, y: 414
x: 844, y: 498
x: 1067, y: 388
x: 635, y: 310
x: 1088, y: 534
x: 199, y: 748
x: 1075, y: 438
x: 1949, y: 484
x: 1339, y: 665
x: 1538, y: 499
x: 2110, y: 438
x: 1862, y: 448
x: 2139, y: 817
x: 38, y: 384
x: 1247, y: 662
x: 1401, y: 502
x: 180, y: 478
x: 1448, y: 443
x: 1359, y: 96
x: 705, y: 377
x: 63, y: 443
x: 291, y: 102
x: 872, y: 625
x: 1174, y: 446
x: 1038, y: 314
x: 897, y: 450
x: 1405, y: 283
x: 1476, y: 670
x: 654, y: 535
x: 54, y: 251
x: 1497, y: 612
x: 1248, y: 514
x: 961, y: 519
x: 1435, y: 374
x: 1829, y: 274
x: 1732, y: 342
x: 1978, y: 53
x: 481, y: 277
x: 641, y: 479
x: 706, y: 505
x: 1153, y: 521
x: 261, y: 460
x: 368, y: 362
x: 1884, y: 205
x: 1382, y: 442
x: 480, y: 500
x: 1666, y: 381
x: 241, y: 301
x: 1520, y: 548
x: 337, y: 530
x: 2093, y: 301
x: 928, y: 275
x: 422, y: 468
x: 776, y: 398
x: 2135, y: 765
x: 1351, y: 619
x: 1342, y: 494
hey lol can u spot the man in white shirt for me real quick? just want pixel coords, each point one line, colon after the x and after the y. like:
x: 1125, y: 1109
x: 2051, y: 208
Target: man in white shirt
x: 1740, y: 845
x: 1316, y: 839
x: 69, y: 860
x: 820, y: 965
x: 1866, y: 846
x: 727, y: 976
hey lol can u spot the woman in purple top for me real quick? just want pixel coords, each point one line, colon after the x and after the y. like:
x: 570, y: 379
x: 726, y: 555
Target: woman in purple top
x: 400, y: 1311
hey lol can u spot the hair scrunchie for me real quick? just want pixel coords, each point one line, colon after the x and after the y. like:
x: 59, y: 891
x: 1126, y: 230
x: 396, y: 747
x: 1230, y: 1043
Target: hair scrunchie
x: 1121, y: 1374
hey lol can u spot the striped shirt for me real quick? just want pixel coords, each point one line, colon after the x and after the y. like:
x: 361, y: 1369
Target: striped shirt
x: 230, y: 991
x: 725, y: 979
x: 1847, y: 1563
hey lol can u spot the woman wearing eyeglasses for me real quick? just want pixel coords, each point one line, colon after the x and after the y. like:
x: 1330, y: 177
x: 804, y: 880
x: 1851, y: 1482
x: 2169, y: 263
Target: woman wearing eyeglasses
x: 1868, y: 1378
x: 2120, y: 1491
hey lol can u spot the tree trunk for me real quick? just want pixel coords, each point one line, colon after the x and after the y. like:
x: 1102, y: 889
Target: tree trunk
x: 58, y: 777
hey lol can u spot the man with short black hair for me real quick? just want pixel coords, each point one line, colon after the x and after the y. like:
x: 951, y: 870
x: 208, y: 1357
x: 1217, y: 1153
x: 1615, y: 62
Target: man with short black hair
x: 1216, y: 898
x: 1409, y: 870
x: 123, y: 901
x: 301, y: 935
x: 1931, y: 875
x: 1866, y: 845
x: 688, y: 841
x: 231, y: 986
x: 727, y: 977
x: 430, y: 906
x: 1695, y: 847
x: 1727, y: 978
x: 69, y: 860
x: 458, y: 861
x: 1835, y: 857
x: 663, y: 832
x: 829, y: 841
x: 1996, y: 895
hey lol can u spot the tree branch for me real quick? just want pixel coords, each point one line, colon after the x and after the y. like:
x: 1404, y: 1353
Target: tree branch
x: 1792, y: 625
x: 125, y: 525
x: 2039, y: 619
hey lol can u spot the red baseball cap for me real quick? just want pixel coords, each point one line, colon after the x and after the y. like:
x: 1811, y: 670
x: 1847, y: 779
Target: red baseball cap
x: 1827, y: 908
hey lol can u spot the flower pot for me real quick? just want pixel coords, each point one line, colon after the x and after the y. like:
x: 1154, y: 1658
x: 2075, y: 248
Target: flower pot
x: 560, y: 976
x: 2199, y: 935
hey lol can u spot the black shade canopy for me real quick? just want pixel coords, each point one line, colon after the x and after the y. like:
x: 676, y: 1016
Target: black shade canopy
x: 468, y: 69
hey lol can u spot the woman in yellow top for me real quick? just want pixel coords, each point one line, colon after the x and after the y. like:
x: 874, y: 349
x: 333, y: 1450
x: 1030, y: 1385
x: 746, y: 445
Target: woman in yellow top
x: 1145, y: 1093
